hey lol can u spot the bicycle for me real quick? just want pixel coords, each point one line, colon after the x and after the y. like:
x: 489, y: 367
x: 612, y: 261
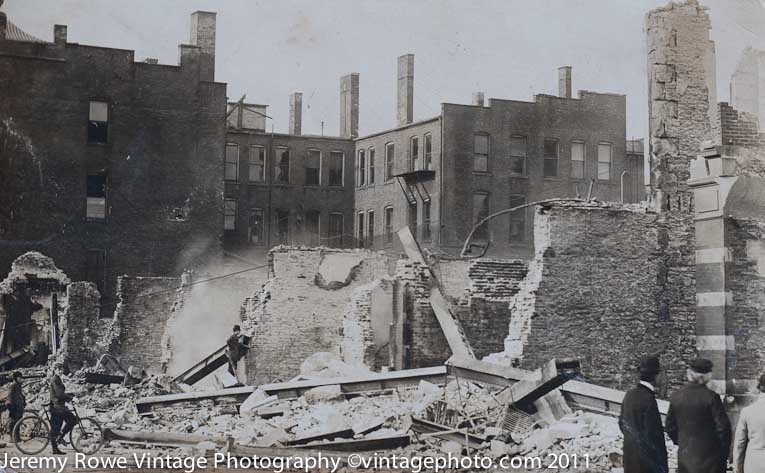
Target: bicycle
x: 31, y: 434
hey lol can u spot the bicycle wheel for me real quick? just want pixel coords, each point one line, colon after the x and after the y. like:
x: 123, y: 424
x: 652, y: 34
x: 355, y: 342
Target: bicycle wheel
x: 87, y: 436
x: 31, y: 435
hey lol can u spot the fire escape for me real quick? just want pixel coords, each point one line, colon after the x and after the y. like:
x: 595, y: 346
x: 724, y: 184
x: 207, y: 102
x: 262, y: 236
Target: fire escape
x: 412, y: 184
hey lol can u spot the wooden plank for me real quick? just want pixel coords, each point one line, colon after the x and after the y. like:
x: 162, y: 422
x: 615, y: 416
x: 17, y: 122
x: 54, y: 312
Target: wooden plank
x: 411, y: 248
x: 363, y: 445
x: 446, y: 433
x: 450, y: 326
x: 485, y: 372
x: 164, y: 438
x: 337, y: 434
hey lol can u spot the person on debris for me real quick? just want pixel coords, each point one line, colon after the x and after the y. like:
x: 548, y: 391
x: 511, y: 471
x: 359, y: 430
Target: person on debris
x: 644, y: 448
x: 749, y: 448
x: 41, y: 353
x: 16, y: 404
x: 234, y: 350
x: 59, y: 413
x: 697, y: 423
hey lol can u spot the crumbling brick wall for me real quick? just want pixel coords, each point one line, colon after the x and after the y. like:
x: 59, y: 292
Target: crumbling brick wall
x: 144, y: 307
x: 301, y: 309
x: 599, y: 297
x: 81, y: 328
x: 738, y: 128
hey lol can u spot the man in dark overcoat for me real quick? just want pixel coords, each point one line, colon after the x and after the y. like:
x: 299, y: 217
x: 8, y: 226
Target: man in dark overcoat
x: 644, y: 448
x: 698, y: 425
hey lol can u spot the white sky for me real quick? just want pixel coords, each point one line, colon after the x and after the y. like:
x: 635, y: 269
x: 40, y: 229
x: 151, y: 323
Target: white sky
x: 508, y: 49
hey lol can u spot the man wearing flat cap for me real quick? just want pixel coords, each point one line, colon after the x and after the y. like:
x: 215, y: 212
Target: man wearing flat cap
x: 640, y: 422
x: 697, y: 423
x: 749, y: 449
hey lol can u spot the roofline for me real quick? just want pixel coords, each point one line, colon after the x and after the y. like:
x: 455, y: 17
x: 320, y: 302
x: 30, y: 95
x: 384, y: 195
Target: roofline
x: 399, y: 128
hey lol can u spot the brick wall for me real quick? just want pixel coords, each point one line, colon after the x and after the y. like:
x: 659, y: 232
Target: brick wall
x: 739, y: 128
x: 82, y: 332
x: 599, y: 296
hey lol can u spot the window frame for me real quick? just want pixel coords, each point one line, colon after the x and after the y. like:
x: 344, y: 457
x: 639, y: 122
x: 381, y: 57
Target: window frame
x: 317, y: 236
x: 335, y: 153
x: 546, y: 158
x: 98, y: 123
x: 332, y: 238
x: 371, y: 165
x: 227, y: 163
x: 360, y: 228
x: 523, y: 157
x: 305, y: 167
x: 390, y: 159
x: 251, y: 165
x: 278, y: 164
x: 88, y: 196
x: 278, y: 220
x: 486, y: 155
x: 583, y: 160
x: 414, y: 153
x: 523, y: 217
x: 427, y: 154
x: 610, y: 159
x: 234, y: 214
x: 361, y: 179
x: 388, y: 224
x: 370, y: 236
x: 253, y: 213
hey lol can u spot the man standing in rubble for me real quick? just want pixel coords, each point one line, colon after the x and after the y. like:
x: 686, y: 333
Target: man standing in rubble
x: 16, y: 404
x: 697, y: 423
x: 59, y: 413
x: 234, y: 350
x: 640, y: 422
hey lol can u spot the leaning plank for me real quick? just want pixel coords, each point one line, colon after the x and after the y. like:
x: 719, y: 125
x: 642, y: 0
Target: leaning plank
x: 363, y: 445
x: 160, y: 438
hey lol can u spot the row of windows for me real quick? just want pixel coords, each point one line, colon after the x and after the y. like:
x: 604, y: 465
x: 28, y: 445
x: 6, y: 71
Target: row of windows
x: 365, y: 163
x: 313, y: 162
x: 365, y: 225
x: 550, y: 168
x: 312, y: 229
x: 517, y: 231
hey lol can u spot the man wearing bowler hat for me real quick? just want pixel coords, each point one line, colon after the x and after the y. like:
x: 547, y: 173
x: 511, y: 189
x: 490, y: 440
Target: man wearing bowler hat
x: 640, y: 422
x: 749, y: 450
x: 698, y: 424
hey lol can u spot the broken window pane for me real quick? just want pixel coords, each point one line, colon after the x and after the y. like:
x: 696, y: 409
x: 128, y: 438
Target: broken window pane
x: 371, y: 158
x: 95, y: 202
x: 336, y: 230
x: 282, y: 227
x: 481, y: 153
x: 313, y: 227
x: 518, y: 155
x: 229, y: 214
x: 98, y: 122
x: 313, y: 168
x: 336, y: 165
x: 551, y: 158
x: 480, y: 211
x: 257, y: 230
x: 577, y: 160
x: 388, y: 225
x: 517, y: 219
x: 414, y: 154
x: 257, y: 164
x: 604, y: 161
x: 390, y: 151
x: 282, y: 171
x: 428, y: 152
x: 361, y: 166
x: 232, y: 162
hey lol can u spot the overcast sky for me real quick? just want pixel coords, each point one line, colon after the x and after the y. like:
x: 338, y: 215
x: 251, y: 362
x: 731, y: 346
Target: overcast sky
x: 509, y: 49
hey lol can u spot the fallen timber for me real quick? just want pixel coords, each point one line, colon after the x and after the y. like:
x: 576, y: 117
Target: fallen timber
x: 350, y: 386
x: 579, y: 394
x: 444, y: 432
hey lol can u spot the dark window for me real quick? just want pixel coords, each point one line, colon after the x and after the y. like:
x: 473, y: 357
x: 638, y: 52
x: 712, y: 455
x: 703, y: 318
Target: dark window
x: 388, y: 225
x: 360, y: 230
x: 95, y: 202
x: 481, y: 153
x: 257, y: 164
x: 257, y: 230
x: 414, y: 154
x: 577, y: 160
x: 313, y: 227
x: 232, y: 162
x: 361, y: 166
x: 336, y: 164
x: 481, y: 211
x: 336, y: 230
x: 282, y: 227
x: 413, y: 219
x: 371, y: 158
x: 428, y: 152
x: 604, y: 161
x: 313, y: 168
x: 517, y: 219
x: 551, y: 158
x: 518, y: 155
x: 370, y: 229
x: 95, y: 270
x: 98, y: 122
x: 390, y: 152
x: 282, y: 166
x: 426, y: 232
x: 229, y: 214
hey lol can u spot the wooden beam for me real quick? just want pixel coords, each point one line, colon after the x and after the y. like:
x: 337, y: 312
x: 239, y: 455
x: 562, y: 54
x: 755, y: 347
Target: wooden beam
x: 444, y: 432
x: 364, y: 445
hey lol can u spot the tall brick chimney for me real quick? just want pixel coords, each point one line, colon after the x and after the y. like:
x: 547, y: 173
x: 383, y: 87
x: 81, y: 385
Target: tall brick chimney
x: 296, y: 113
x: 59, y: 35
x: 405, y: 105
x: 203, y: 35
x: 349, y: 105
x: 478, y: 99
x: 3, y: 24
x: 564, y: 82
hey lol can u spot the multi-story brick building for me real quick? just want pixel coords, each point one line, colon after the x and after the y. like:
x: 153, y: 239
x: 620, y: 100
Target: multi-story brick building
x: 110, y: 166
x: 441, y: 176
x: 284, y: 188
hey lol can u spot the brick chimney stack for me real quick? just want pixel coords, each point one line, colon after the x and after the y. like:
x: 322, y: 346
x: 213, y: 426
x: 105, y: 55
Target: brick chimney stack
x: 405, y: 105
x: 59, y: 35
x: 296, y: 113
x: 349, y: 106
x: 478, y: 99
x: 564, y: 82
x: 203, y: 35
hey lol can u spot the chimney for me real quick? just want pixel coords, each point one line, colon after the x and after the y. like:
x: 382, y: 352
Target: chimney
x: 349, y: 106
x: 296, y: 113
x: 564, y: 82
x: 405, y: 105
x: 203, y: 35
x: 59, y: 35
x: 478, y: 98
x: 3, y: 24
